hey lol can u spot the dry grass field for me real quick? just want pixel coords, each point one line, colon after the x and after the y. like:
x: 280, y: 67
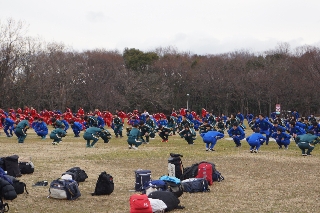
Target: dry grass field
x: 270, y: 181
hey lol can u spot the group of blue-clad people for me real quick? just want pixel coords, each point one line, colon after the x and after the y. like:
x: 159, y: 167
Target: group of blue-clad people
x: 143, y: 127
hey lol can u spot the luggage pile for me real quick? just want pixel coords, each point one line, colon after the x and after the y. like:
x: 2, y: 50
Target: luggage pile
x: 162, y: 195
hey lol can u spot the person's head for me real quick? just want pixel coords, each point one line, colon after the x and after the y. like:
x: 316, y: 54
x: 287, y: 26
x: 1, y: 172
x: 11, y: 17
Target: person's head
x: 186, y: 127
x: 261, y: 116
x: 257, y: 130
x: 141, y: 123
x: 147, y: 117
x: 205, y: 121
x: 279, y: 130
x: 310, y: 132
x: 40, y: 120
x: 53, y: 120
x: 292, y: 123
x: 275, y: 123
x: 314, y: 124
x: 235, y: 125
x: 135, y: 125
x: 160, y: 126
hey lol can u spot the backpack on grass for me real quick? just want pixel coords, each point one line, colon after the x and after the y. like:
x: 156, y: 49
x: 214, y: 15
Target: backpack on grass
x: 26, y: 167
x: 12, y: 166
x: 142, y: 178
x: 64, y: 189
x: 190, y: 172
x: 205, y: 170
x: 81, y: 175
x: 139, y: 203
x: 168, y: 198
x: 19, y: 187
x: 175, y: 167
x: 104, y: 185
x: 193, y: 185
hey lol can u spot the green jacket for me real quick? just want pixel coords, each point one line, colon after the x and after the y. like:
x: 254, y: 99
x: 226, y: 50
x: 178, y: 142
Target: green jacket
x: 306, y: 138
x: 23, y: 124
x: 59, y: 132
x: 134, y: 133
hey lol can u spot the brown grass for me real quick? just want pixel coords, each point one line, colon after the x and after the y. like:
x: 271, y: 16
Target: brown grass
x: 270, y: 181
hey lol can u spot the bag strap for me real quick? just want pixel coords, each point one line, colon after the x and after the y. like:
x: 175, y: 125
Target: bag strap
x: 4, y: 206
x: 25, y: 187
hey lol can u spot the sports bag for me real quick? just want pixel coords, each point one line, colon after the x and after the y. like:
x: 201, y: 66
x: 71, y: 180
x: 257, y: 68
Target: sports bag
x: 73, y: 175
x: 12, y: 166
x: 139, y: 203
x: 154, y: 185
x: 142, y: 177
x: 64, y: 189
x: 18, y: 186
x: 81, y: 174
x: 4, y: 207
x: 26, y: 167
x: 175, y: 167
x: 205, y: 171
x: 216, y: 176
x: 195, y: 185
x: 173, y: 185
x: 158, y: 206
x: 190, y: 172
x: 104, y: 185
x: 168, y: 198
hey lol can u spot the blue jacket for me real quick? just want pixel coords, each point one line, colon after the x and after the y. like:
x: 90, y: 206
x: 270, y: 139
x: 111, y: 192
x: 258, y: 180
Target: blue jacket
x: 240, y: 117
x: 297, y: 130
x: 263, y: 124
x: 275, y: 129
x: 101, y: 122
x: 281, y: 137
x: 8, y: 122
x: 238, y: 131
x: 256, y: 137
x: 66, y: 124
x: 76, y: 126
x: 211, y: 136
x: 316, y: 129
x: 41, y: 127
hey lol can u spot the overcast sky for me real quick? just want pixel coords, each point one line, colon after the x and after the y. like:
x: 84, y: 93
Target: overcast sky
x: 201, y: 27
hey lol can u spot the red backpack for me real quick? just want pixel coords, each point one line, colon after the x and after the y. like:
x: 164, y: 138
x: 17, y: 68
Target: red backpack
x: 205, y: 171
x: 139, y: 203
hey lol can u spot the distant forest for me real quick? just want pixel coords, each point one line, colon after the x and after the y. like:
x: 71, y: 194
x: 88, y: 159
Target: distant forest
x: 50, y: 75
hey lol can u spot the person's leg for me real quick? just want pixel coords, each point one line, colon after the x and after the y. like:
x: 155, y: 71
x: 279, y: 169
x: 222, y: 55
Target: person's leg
x: 302, y: 147
x: 95, y: 140
x: 310, y: 148
x: 5, y: 129
x: 286, y: 143
x: 279, y: 143
x: 237, y: 141
x: 258, y: 145
x: 213, y: 143
x: 88, y: 143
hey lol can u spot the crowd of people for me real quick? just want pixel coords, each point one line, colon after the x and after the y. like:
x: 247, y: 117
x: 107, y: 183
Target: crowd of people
x: 142, y: 126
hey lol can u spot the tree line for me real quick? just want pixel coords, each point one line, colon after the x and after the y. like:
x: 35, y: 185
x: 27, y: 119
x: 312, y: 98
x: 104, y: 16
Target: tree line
x: 51, y: 75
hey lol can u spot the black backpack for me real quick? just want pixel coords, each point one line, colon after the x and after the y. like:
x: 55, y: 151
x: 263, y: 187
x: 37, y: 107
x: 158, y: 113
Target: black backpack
x: 18, y: 186
x: 104, y: 185
x: 175, y: 188
x: 12, y: 166
x: 190, y: 172
x: 4, y: 207
x: 168, y: 198
x: 26, y: 167
x: 81, y: 175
